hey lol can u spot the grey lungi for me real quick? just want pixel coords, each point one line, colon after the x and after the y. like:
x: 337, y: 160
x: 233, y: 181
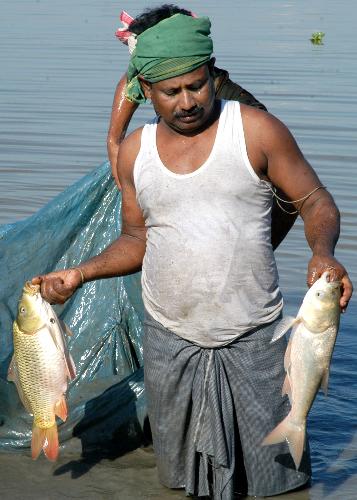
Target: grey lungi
x: 210, y: 409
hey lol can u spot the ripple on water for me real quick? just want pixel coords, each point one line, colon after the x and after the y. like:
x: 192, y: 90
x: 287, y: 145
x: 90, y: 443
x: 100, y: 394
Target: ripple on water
x: 59, y: 74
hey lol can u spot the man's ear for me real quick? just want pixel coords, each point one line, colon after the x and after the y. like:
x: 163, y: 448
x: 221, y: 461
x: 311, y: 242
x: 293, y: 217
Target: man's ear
x: 146, y: 86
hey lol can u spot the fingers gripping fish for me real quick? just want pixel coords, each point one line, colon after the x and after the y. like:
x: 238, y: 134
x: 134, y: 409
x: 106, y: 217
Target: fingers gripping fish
x: 40, y: 368
x: 307, y: 359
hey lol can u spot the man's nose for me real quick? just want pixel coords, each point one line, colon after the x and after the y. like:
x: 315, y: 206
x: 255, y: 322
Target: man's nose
x: 187, y: 101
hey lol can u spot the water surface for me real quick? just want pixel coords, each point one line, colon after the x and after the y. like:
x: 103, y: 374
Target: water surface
x: 60, y: 63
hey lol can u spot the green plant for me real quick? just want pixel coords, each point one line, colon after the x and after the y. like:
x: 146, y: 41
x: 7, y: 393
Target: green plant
x: 317, y: 37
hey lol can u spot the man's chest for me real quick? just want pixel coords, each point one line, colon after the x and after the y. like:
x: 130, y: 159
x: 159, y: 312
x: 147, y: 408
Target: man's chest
x: 182, y: 154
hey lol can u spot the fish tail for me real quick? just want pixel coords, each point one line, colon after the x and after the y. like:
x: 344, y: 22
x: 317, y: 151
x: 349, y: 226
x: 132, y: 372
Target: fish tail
x: 46, y: 440
x: 61, y: 409
x: 294, y: 435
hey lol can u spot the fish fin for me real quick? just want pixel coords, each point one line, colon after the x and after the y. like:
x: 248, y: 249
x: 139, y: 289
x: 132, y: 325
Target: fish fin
x: 13, y: 376
x: 68, y: 360
x: 293, y: 434
x: 287, y: 356
x: 54, y: 338
x: 12, y: 371
x: 61, y: 409
x: 37, y: 441
x: 65, y: 328
x: 51, y: 446
x: 324, y: 381
x: 287, y: 388
x: 283, y: 327
x: 71, y: 367
x: 57, y: 331
x: 46, y: 440
x: 55, y: 326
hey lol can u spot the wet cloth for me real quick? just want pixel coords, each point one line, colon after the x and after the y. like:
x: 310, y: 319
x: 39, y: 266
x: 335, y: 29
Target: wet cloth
x: 210, y: 409
x: 172, y: 47
x: 209, y: 272
x: 231, y: 91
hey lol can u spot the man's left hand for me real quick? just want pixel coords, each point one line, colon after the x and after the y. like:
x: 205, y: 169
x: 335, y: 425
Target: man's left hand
x: 319, y: 264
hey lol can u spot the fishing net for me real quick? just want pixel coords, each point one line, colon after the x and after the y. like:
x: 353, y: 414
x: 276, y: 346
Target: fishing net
x: 107, y: 408
x: 106, y: 401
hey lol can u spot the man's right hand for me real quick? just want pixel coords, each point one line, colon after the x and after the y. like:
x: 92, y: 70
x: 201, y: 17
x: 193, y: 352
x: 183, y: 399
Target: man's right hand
x: 59, y: 286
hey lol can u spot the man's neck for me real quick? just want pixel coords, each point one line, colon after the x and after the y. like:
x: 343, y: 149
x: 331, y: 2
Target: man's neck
x: 169, y: 130
x: 185, y: 153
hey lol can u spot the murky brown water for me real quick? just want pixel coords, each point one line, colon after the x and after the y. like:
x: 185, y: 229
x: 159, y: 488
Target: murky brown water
x: 60, y: 63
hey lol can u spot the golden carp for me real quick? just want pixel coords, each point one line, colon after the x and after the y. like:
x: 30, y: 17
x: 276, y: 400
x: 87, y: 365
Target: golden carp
x: 307, y: 359
x: 40, y: 367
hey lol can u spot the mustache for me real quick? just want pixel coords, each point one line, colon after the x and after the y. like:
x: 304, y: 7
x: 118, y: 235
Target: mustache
x: 185, y: 114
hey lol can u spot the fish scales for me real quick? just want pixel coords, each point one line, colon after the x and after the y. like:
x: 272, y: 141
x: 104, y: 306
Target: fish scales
x: 307, y: 359
x: 41, y: 367
x: 312, y: 355
x: 41, y: 374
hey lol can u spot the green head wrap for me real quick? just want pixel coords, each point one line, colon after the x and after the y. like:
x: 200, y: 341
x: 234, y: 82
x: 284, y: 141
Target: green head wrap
x: 174, y: 46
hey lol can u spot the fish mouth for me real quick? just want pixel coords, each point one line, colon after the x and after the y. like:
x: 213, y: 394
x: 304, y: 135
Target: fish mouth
x: 31, y: 289
x: 335, y: 284
x: 328, y: 276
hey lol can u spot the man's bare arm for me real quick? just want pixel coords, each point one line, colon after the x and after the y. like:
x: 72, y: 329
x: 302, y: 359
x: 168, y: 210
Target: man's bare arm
x: 282, y: 219
x: 123, y: 256
x: 122, y: 112
x: 276, y: 156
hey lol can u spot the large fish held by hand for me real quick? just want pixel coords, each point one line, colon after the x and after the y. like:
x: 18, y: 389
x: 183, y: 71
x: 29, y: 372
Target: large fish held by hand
x: 307, y: 359
x: 40, y: 368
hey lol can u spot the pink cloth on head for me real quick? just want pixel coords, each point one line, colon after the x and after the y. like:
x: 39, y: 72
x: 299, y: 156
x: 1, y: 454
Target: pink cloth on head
x: 123, y: 33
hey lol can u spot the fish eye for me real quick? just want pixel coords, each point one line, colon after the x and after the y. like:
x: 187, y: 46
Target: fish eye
x: 22, y: 309
x: 52, y: 320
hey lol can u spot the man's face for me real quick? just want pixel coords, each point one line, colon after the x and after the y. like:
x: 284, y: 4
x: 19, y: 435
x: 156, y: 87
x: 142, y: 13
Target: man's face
x: 186, y: 102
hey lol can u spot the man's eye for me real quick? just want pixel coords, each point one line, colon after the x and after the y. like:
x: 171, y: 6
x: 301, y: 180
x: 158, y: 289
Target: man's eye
x: 197, y: 86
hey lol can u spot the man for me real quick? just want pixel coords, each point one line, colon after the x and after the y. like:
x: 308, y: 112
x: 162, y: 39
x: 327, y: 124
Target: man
x: 282, y: 218
x: 196, y: 186
x: 123, y: 109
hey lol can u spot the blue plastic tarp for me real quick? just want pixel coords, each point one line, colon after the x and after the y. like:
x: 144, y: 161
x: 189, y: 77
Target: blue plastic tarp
x: 106, y: 400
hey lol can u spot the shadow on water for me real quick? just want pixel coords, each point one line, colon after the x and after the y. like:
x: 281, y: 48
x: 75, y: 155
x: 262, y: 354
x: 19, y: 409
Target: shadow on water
x: 108, y: 432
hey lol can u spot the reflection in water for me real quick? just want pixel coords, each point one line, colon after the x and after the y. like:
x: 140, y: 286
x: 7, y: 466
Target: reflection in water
x: 59, y: 74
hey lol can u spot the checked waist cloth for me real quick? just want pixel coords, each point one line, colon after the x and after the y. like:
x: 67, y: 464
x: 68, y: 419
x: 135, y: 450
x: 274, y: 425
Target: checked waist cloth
x: 210, y: 409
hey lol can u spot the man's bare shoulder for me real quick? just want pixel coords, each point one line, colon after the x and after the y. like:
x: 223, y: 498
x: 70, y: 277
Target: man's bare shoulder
x: 128, y: 151
x: 265, y: 131
x: 258, y: 119
x: 130, y: 146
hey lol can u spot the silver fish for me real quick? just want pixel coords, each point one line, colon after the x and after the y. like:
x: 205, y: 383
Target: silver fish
x: 307, y: 359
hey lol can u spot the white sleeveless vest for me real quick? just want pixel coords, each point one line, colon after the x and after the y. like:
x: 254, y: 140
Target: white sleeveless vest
x: 209, y: 272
